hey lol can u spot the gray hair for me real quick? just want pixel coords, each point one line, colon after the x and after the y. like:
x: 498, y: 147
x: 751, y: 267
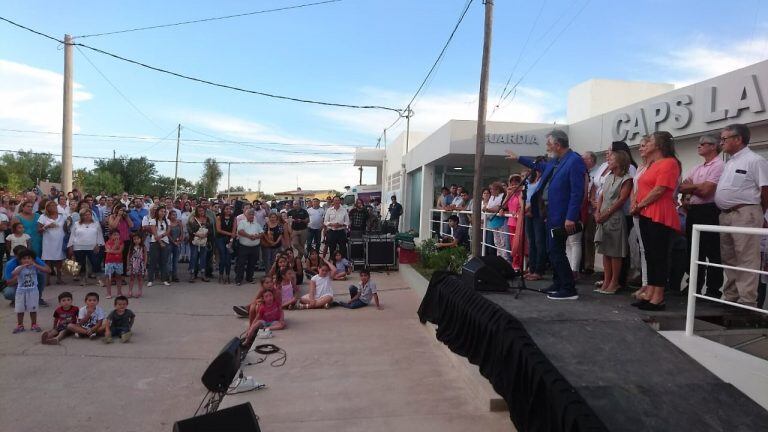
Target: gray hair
x: 591, y: 156
x: 711, y: 139
x: 559, y: 136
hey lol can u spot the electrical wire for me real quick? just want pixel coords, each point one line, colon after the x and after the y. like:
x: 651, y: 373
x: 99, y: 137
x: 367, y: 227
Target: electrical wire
x: 118, y: 90
x: 261, y: 146
x: 207, y: 19
x: 208, y: 82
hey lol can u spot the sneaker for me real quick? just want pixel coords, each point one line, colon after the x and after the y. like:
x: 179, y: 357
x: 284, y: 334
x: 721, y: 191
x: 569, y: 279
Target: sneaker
x: 78, y: 335
x: 125, y: 337
x: 166, y: 283
x: 35, y: 328
x: 18, y: 329
x: 241, y: 311
x: 264, y: 334
x: 149, y: 284
x: 107, y: 340
x: 43, y: 303
x: 564, y: 295
x: 550, y: 290
x: 93, y: 336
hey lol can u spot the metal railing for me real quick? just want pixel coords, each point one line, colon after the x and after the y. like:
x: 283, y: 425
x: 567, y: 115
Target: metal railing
x: 442, y: 222
x: 693, y: 273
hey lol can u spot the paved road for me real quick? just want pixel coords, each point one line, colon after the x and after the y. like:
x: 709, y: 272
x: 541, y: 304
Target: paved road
x: 346, y: 370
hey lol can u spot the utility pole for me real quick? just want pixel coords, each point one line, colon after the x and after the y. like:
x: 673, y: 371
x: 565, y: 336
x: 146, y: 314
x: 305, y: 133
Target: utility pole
x: 361, y: 175
x: 480, y: 143
x: 176, y: 172
x: 66, y: 132
x: 229, y: 169
x: 114, y: 154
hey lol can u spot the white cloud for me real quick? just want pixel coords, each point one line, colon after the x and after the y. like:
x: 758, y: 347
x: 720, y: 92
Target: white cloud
x: 705, y: 58
x: 434, y: 109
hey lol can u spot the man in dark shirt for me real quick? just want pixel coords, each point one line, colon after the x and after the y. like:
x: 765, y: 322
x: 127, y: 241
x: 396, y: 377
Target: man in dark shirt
x: 358, y: 218
x: 459, y: 235
x: 300, y: 218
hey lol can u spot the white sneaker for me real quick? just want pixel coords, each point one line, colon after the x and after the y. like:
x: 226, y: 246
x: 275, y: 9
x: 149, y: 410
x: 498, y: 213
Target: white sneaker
x: 166, y: 283
x: 264, y: 334
x: 149, y: 284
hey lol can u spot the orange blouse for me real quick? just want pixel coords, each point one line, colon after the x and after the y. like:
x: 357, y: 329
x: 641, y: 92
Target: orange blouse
x: 664, y: 172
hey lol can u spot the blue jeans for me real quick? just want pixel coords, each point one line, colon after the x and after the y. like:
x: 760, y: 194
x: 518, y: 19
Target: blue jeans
x: 268, y: 255
x: 562, y: 277
x: 313, y: 240
x: 225, y: 257
x: 354, y: 304
x: 536, y: 234
x: 158, y: 262
x: 173, y: 259
x: 198, y: 257
x: 88, y: 255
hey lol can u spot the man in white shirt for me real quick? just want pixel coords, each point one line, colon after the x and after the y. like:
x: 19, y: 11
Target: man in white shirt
x: 336, y: 221
x: 742, y: 197
x: 125, y: 200
x: 171, y: 208
x: 249, y: 236
x: 316, y: 216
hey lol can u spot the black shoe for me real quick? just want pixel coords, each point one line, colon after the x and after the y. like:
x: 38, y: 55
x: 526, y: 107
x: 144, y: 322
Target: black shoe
x: 550, y: 290
x: 241, y: 311
x: 648, y: 306
x: 43, y: 303
x: 639, y: 303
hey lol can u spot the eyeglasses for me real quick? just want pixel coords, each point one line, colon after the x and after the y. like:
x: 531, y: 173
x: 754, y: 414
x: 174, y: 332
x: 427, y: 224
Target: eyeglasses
x: 723, y: 139
x: 701, y: 144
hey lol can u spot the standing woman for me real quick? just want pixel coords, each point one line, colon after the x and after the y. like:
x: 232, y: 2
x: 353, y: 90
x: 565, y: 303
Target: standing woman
x: 176, y: 239
x: 512, y: 211
x: 225, y: 233
x: 657, y: 213
x: 158, y: 246
x: 85, y: 240
x: 186, y: 213
x: 611, y: 235
x: 272, y: 240
x: 28, y: 219
x: 51, y: 227
x: 635, y: 235
x: 200, y: 234
x: 119, y: 221
x: 497, y: 223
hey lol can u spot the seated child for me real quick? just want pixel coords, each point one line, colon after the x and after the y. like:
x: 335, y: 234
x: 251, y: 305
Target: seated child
x: 90, y: 319
x: 113, y: 263
x: 63, y: 316
x: 119, y: 322
x: 362, y: 297
x: 270, y: 317
x: 312, y: 263
x: 267, y: 285
x: 320, y: 289
x: 27, y: 294
x: 343, y: 266
x: 288, y: 288
x: 296, y: 265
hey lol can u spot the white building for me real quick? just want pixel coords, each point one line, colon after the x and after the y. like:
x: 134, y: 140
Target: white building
x: 599, y: 112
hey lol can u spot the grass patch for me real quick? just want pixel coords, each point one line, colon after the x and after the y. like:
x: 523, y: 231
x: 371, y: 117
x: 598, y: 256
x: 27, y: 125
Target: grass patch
x: 424, y: 271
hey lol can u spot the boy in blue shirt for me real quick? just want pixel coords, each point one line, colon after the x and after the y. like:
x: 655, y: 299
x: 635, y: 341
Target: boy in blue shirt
x: 10, y: 281
x: 27, y: 294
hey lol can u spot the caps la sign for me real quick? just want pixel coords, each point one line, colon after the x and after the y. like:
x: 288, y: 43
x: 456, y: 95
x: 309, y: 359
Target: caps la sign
x: 677, y: 113
x: 528, y: 139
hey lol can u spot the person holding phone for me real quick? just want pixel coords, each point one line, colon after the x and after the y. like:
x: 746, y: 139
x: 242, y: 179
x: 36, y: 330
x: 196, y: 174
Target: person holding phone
x: 558, y: 200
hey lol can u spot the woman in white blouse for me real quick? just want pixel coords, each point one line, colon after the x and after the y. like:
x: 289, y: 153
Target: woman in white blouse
x: 84, y: 242
x: 158, y: 246
x: 51, y: 226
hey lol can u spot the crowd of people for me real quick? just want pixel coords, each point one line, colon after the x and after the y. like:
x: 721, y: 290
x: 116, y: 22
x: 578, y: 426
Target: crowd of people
x: 637, y: 215
x: 126, y: 243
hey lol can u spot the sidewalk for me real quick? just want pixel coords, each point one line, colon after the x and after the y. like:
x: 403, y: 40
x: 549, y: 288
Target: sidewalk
x: 346, y: 371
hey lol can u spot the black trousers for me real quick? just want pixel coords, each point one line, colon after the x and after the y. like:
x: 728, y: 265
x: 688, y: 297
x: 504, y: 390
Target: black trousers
x: 709, y: 247
x: 656, y: 240
x: 626, y: 262
x: 246, y: 262
x: 336, y: 239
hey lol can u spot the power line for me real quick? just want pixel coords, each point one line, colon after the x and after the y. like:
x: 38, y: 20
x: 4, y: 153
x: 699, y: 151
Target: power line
x: 163, y: 139
x: 211, y: 83
x: 206, y: 19
x: 334, y: 161
x: 118, y: 90
x: 261, y: 146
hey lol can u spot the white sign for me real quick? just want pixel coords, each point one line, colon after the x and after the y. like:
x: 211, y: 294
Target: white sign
x: 527, y: 139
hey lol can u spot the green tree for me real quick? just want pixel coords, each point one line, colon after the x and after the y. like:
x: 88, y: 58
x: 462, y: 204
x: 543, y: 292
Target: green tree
x: 163, y: 186
x: 24, y: 169
x: 136, y: 174
x: 99, y: 179
x: 209, y: 182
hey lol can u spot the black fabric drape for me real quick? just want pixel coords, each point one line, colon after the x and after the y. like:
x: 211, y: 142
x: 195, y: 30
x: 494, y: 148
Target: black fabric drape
x: 538, y: 396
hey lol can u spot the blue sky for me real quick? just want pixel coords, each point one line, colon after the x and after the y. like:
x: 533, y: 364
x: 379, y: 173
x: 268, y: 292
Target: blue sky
x: 353, y: 51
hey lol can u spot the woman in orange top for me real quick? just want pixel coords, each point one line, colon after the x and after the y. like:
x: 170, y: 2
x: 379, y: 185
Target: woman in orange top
x: 655, y: 207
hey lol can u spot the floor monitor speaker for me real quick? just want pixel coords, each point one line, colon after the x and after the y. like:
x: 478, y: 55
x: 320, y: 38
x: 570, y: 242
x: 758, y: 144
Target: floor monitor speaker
x: 223, y: 368
x: 239, y: 418
x: 482, y: 277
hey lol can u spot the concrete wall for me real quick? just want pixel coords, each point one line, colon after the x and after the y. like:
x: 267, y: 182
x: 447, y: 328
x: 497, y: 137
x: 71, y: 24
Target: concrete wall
x: 598, y: 96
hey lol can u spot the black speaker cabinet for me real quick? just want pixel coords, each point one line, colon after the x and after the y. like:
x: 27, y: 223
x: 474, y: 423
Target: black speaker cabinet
x: 239, y: 418
x: 380, y: 251
x: 482, y: 277
x: 357, y: 251
x: 223, y: 368
x: 500, y: 265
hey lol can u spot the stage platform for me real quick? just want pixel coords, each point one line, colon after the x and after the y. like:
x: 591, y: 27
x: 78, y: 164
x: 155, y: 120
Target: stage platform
x: 591, y: 364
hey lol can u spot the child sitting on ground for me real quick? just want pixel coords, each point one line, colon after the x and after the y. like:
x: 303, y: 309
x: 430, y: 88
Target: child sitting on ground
x: 63, y: 316
x: 269, y: 317
x: 320, y: 290
x: 362, y: 297
x: 343, y: 266
x: 90, y: 319
x: 27, y: 293
x: 312, y: 264
x: 288, y: 288
x: 113, y: 263
x: 119, y: 322
x: 267, y: 285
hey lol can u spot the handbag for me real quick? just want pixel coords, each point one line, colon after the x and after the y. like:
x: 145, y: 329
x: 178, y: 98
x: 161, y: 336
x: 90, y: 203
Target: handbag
x: 201, y: 241
x: 72, y: 267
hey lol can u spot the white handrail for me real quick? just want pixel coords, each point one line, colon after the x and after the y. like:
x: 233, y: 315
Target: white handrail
x: 693, y: 273
x: 442, y: 223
